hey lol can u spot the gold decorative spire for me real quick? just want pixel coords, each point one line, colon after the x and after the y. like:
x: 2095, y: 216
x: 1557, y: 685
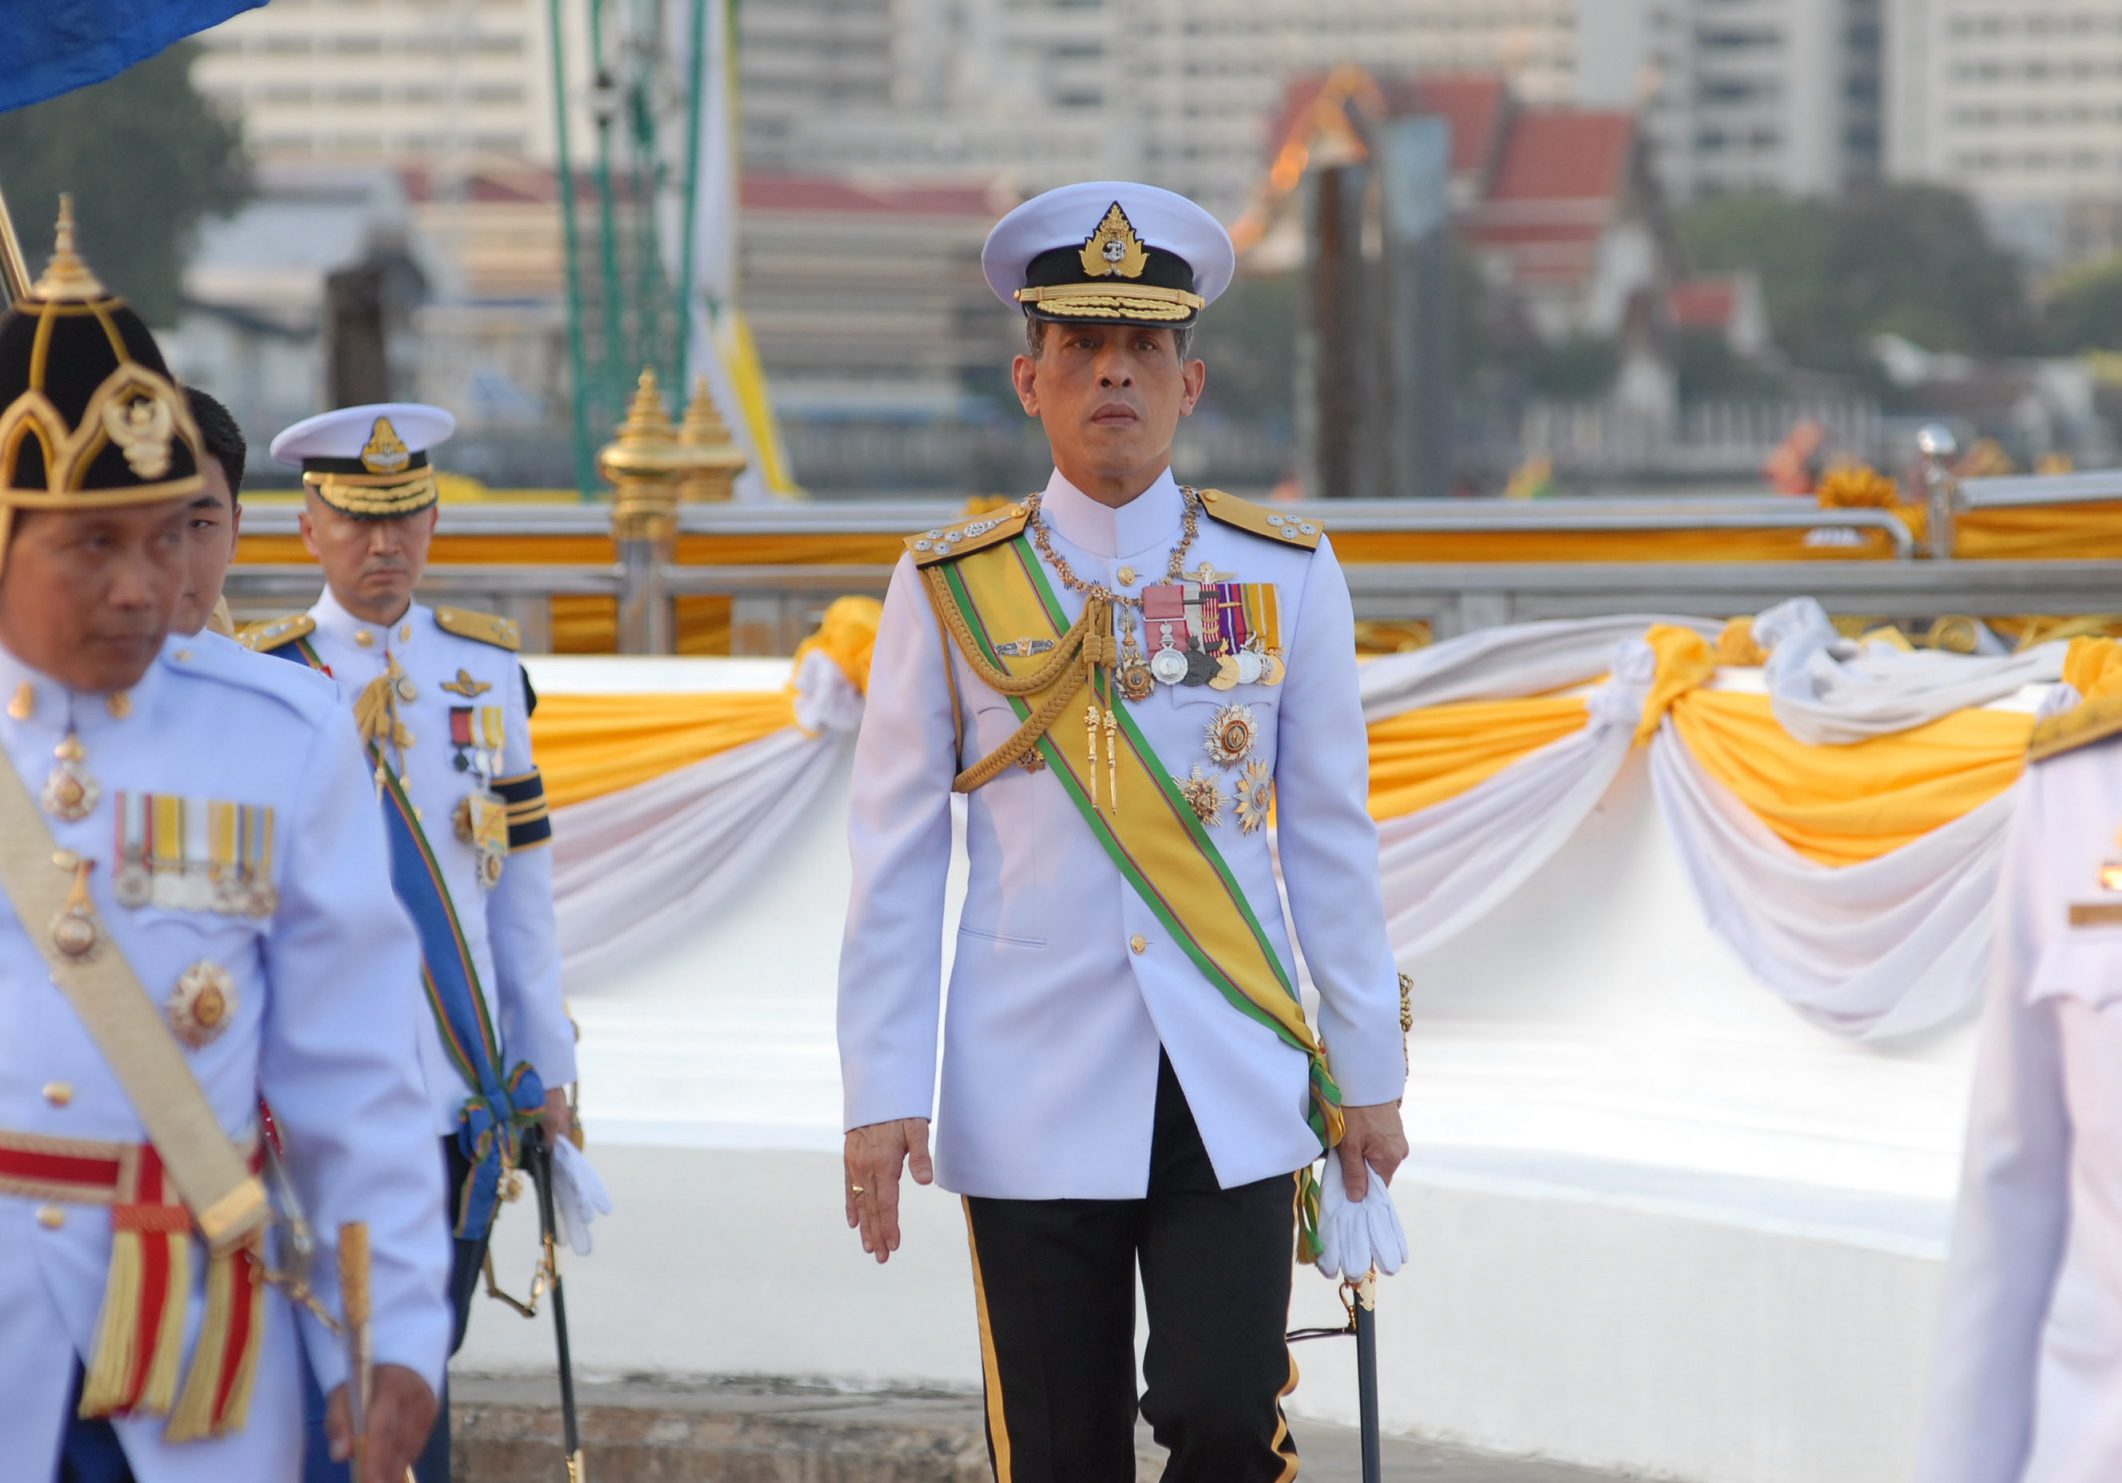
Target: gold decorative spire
x: 647, y: 420
x: 66, y: 278
x: 715, y: 458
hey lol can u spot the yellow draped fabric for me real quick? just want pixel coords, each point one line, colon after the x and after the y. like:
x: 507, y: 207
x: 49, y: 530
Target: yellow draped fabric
x: 1422, y: 758
x: 1835, y: 805
x: 1842, y: 805
x: 2093, y: 667
x: 590, y: 745
x: 1684, y: 662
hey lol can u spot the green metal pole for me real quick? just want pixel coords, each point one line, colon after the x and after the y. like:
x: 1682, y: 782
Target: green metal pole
x: 650, y: 285
x: 615, y: 362
x: 687, y: 267
x: 571, y: 243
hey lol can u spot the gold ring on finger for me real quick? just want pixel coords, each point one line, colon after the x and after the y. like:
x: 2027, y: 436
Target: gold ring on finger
x: 856, y: 1189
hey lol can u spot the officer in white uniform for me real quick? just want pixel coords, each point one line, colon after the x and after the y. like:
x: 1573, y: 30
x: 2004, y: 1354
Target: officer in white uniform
x: 2028, y: 1376
x: 222, y: 851
x: 1122, y: 1084
x: 443, y: 704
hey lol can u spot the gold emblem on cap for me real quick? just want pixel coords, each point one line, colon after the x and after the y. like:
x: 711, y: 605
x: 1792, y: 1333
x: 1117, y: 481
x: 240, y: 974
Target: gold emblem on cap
x: 142, y: 428
x: 1114, y: 251
x: 385, y: 452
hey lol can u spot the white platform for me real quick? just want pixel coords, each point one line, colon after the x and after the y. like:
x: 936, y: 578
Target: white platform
x: 1659, y: 1223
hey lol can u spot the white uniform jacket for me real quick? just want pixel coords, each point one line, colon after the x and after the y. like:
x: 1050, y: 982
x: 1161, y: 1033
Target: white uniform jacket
x: 1064, y: 984
x: 2028, y: 1375
x: 322, y: 1024
x: 510, y: 927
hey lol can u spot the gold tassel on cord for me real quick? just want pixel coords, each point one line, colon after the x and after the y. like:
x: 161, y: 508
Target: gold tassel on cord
x: 108, y: 1388
x: 104, y: 1388
x: 227, y: 1273
x: 1090, y: 726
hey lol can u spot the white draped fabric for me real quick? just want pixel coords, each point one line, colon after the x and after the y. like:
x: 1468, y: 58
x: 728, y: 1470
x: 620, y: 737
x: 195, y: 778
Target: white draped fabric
x: 1504, y: 663
x: 1443, y: 868
x: 1829, y: 690
x: 1890, y: 947
x: 632, y: 866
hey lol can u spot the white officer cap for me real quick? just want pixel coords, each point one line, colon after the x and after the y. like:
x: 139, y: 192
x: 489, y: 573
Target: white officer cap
x: 369, y: 462
x: 1109, y: 252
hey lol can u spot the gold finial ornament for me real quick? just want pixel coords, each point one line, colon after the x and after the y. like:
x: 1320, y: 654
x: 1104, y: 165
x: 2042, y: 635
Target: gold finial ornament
x: 644, y: 465
x: 716, y: 458
x: 66, y: 279
x: 1113, y: 250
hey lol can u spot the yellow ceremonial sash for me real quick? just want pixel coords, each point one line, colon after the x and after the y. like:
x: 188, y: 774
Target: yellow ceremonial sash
x: 1000, y: 595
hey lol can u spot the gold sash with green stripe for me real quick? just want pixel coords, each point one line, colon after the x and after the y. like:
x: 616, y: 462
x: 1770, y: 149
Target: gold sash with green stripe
x: 1119, y: 786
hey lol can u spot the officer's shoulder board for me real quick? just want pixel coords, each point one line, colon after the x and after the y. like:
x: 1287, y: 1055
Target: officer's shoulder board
x: 2081, y: 726
x: 275, y: 633
x: 485, y: 628
x: 1303, y: 531
x: 948, y: 542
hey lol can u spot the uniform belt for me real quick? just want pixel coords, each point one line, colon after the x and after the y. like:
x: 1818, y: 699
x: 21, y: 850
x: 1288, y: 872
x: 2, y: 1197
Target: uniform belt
x: 139, y: 1344
x: 80, y: 1171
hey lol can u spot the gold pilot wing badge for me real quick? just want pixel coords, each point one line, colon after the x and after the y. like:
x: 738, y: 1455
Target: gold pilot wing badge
x: 1114, y: 251
x: 384, y: 452
x: 466, y: 686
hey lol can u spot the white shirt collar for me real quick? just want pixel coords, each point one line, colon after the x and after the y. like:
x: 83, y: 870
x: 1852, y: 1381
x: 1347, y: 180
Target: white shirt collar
x: 54, y: 707
x: 1151, y: 520
x: 335, y: 621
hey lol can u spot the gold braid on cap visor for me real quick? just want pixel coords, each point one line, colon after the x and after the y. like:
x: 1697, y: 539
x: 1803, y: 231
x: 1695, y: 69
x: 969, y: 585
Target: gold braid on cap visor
x: 375, y: 496
x: 1143, y: 301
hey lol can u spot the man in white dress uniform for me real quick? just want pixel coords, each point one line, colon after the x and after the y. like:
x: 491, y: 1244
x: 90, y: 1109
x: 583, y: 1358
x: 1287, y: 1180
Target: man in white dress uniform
x: 1123, y: 675
x: 188, y: 923
x: 2028, y: 1379
x: 443, y: 704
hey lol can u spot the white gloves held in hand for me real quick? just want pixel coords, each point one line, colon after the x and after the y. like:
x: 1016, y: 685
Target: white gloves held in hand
x: 1353, y: 1239
x: 579, y: 1196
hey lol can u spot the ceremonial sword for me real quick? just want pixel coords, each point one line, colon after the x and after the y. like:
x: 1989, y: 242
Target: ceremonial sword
x: 541, y: 1167
x: 1360, y: 1297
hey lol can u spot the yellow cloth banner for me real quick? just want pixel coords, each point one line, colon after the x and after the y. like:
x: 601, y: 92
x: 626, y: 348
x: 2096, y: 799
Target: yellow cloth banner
x: 590, y: 745
x: 1422, y: 758
x: 1847, y: 804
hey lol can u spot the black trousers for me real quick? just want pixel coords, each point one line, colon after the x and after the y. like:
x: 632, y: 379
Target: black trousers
x: 1055, y: 1285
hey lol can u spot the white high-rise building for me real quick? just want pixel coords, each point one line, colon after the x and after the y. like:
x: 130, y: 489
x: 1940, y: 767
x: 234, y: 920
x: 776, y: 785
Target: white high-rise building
x: 372, y: 81
x: 1734, y: 94
x: 2019, y: 103
x: 1779, y: 95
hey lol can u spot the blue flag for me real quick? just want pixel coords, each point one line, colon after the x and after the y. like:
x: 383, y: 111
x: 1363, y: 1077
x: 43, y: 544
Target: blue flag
x: 54, y: 46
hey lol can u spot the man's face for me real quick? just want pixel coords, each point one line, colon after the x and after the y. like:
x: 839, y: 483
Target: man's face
x: 211, y: 523
x: 1110, y: 398
x: 372, y: 565
x: 86, y: 596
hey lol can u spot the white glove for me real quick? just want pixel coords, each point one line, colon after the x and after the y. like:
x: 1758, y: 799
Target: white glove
x: 579, y: 1196
x: 1354, y: 1239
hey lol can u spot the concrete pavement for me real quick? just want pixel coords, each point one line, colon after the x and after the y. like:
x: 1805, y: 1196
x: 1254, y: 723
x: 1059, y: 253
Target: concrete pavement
x: 769, y: 1431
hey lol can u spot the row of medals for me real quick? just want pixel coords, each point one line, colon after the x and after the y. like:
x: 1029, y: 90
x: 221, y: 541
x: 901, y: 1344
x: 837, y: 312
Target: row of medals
x: 1138, y: 678
x: 70, y: 795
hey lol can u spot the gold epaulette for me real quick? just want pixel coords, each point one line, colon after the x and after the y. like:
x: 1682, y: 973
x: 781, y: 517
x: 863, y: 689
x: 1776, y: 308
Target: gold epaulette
x: 950, y: 541
x: 485, y: 628
x: 1288, y: 530
x: 274, y: 633
x: 2080, y: 726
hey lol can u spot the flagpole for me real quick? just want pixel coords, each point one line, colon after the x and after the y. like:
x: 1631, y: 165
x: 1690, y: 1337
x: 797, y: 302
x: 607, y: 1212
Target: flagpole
x: 14, y: 268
